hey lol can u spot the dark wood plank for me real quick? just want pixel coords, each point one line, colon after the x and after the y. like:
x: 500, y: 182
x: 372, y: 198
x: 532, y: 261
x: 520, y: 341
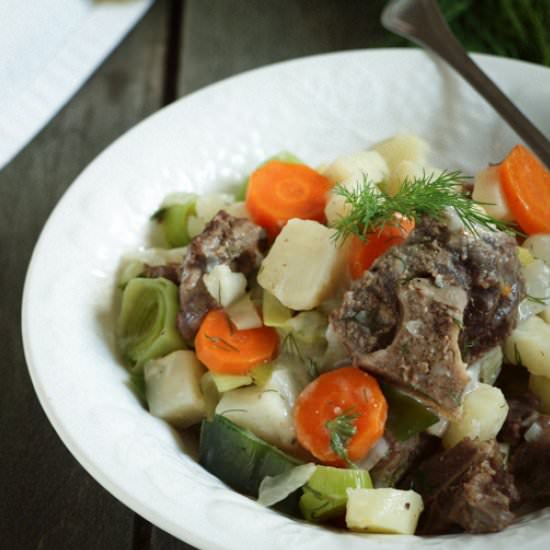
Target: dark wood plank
x: 48, y: 501
x: 222, y: 38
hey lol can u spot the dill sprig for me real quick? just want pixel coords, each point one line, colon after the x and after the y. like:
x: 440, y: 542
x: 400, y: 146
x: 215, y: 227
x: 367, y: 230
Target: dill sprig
x: 430, y: 195
x: 341, y: 429
x: 536, y: 300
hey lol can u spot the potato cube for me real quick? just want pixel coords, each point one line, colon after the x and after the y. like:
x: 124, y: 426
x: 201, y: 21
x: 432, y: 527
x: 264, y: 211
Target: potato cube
x: 304, y: 266
x: 172, y: 387
x: 403, y: 147
x: 487, y: 190
x: 363, y: 164
x: 540, y: 386
x: 383, y: 510
x: 529, y: 345
x: 483, y: 414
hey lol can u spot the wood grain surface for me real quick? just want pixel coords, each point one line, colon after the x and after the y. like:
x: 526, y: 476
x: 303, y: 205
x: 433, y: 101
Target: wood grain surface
x: 48, y: 501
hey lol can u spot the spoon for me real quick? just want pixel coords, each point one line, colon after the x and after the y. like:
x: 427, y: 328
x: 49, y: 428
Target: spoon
x: 422, y: 22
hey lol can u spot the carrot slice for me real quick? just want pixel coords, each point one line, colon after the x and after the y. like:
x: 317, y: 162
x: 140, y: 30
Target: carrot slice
x: 226, y: 350
x: 526, y: 185
x: 279, y: 191
x: 363, y: 253
x: 343, y: 401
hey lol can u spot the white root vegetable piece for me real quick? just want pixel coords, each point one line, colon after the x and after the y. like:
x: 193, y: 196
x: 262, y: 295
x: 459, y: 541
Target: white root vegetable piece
x: 383, y: 510
x: 266, y: 410
x: 483, y: 414
x: 529, y: 345
x: 238, y: 209
x: 304, y: 266
x: 132, y: 263
x: 403, y: 147
x: 545, y: 314
x: 537, y: 286
x: 337, y: 207
x: 243, y: 314
x: 172, y: 387
x: 487, y: 189
x: 206, y: 207
x: 224, y: 285
x: 363, y: 164
x: 406, y: 169
x: 540, y: 386
x: 539, y: 246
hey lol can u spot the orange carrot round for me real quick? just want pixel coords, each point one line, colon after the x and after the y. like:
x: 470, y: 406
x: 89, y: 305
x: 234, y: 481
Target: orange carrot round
x: 225, y: 350
x: 363, y: 253
x: 279, y: 191
x: 526, y: 185
x: 343, y: 401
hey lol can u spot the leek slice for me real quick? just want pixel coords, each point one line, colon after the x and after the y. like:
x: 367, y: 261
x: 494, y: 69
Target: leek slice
x: 173, y: 215
x: 273, y: 312
x: 325, y: 494
x: 147, y: 321
x: 228, y: 382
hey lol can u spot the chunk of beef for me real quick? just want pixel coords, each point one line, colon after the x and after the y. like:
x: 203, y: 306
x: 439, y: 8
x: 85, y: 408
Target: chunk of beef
x: 530, y: 462
x: 496, y: 288
x: 406, y: 317
x: 172, y: 272
x: 401, y: 457
x: 466, y: 486
x: 522, y: 413
x: 424, y: 358
x: 236, y: 242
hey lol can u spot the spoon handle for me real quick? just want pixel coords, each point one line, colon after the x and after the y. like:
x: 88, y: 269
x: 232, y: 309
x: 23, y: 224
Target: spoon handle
x: 422, y: 22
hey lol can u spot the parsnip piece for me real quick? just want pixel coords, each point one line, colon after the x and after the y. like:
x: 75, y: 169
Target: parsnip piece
x: 266, y: 410
x: 483, y: 414
x: 172, y: 386
x: 487, y: 190
x: 224, y: 285
x: 540, y: 386
x: 529, y: 345
x: 238, y: 209
x: 545, y: 314
x: 383, y: 510
x: 304, y: 265
x: 363, y: 164
x: 403, y: 147
x: 406, y: 169
x: 207, y: 206
x: 539, y: 246
x: 525, y: 257
x: 337, y: 207
x: 537, y: 287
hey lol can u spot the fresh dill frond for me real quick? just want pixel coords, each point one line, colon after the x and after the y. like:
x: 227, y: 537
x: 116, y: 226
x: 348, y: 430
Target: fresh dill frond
x: 221, y: 343
x: 431, y: 195
x: 341, y: 429
x: 536, y: 300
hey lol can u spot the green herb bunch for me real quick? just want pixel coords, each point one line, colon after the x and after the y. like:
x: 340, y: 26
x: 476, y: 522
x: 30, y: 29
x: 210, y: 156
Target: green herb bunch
x: 511, y: 28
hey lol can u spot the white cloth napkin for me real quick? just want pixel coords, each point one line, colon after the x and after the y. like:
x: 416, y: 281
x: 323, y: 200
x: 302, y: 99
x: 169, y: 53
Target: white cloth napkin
x: 48, y: 48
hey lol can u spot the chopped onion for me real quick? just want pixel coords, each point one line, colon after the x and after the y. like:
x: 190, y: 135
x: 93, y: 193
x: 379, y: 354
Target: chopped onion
x: 277, y: 488
x: 533, y: 432
x: 439, y: 428
x: 243, y: 314
x: 376, y: 454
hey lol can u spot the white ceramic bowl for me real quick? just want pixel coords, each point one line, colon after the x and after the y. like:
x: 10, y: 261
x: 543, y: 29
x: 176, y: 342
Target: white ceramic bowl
x: 317, y: 107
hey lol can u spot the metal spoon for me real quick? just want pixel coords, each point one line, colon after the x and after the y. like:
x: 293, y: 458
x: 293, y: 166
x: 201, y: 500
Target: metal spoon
x: 422, y: 22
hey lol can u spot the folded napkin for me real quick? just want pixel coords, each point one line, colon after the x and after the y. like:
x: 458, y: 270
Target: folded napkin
x: 48, y: 48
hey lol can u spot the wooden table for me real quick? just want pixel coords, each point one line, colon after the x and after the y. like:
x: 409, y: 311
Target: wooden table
x: 47, y: 500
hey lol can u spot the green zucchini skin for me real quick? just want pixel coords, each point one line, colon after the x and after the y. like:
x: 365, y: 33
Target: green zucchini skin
x: 242, y: 460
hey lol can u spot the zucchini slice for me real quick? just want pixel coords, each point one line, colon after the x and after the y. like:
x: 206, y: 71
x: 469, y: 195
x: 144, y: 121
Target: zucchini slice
x: 242, y: 460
